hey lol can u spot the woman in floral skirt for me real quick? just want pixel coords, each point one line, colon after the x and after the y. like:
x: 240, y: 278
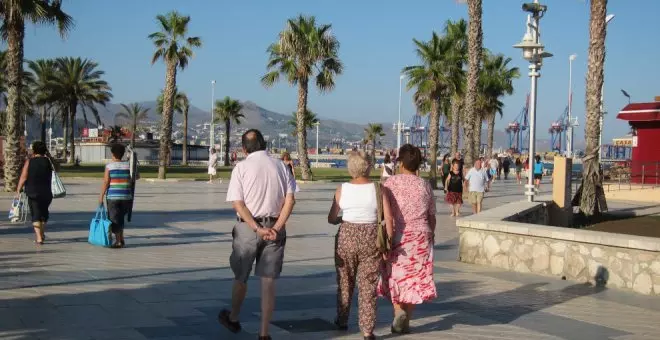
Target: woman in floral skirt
x: 407, y: 277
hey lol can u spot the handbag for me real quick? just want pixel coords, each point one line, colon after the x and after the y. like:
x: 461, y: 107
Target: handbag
x: 382, y: 241
x: 19, y: 209
x: 99, y: 228
x: 56, y: 186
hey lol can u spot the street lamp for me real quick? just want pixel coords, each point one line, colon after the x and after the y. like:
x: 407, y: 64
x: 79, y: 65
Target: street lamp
x: 317, y: 124
x: 533, y: 52
x: 212, y: 133
x: 569, y: 140
x: 398, y: 122
x: 608, y: 18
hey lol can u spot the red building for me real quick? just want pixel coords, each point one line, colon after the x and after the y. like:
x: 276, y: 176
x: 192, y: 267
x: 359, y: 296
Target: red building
x: 644, y: 118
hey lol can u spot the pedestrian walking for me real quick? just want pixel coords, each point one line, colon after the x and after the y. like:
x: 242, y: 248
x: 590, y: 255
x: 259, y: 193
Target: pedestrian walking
x: 388, y: 168
x: 538, y: 172
x: 213, y: 163
x: 519, y: 167
x: 407, y: 278
x: 477, y: 181
x: 454, y: 189
x: 445, y: 169
x: 117, y: 193
x: 36, y: 179
x: 493, y: 166
x: 506, y: 167
x: 261, y: 190
x: 357, y: 260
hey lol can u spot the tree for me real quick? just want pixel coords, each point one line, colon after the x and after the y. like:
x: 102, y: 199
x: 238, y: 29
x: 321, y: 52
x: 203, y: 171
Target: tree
x: 13, y: 15
x: 456, y: 32
x: 77, y: 83
x: 43, y: 69
x: 182, y: 104
x: 591, y: 179
x: 175, y: 48
x: 228, y: 110
x: 434, y: 79
x: 304, y: 50
x: 475, y: 42
x: 372, y: 133
x: 133, y: 113
x: 309, y: 121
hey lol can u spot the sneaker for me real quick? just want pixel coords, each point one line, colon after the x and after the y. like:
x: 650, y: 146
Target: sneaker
x: 232, y: 326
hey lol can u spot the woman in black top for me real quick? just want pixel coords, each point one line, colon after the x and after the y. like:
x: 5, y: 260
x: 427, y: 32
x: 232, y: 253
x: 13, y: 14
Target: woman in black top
x: 454, y: 188
x: 36, y: 179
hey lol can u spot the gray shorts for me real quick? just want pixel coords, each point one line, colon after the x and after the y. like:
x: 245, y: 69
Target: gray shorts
x: 247, y: 247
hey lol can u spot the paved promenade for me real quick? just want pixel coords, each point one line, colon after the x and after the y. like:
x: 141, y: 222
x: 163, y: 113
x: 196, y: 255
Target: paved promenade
x: 174, y: 277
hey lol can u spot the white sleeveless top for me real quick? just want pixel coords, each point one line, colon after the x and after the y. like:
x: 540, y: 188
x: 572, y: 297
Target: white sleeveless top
x: 358, y: 203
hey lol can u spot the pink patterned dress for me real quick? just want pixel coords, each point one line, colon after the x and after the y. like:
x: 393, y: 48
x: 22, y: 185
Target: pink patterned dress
x: 407, y: 275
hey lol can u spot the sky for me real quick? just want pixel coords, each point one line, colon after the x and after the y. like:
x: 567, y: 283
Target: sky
x: 376, y: 43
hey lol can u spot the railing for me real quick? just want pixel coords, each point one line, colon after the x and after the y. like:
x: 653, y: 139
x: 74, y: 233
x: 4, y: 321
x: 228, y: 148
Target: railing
x: 633, y: 175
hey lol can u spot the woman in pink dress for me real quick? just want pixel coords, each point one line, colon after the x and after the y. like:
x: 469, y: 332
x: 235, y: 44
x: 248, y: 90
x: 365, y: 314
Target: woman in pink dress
x: 407, y: 277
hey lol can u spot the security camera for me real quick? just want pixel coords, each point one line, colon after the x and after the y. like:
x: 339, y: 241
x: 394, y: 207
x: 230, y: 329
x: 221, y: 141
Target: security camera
x: 534, y: 8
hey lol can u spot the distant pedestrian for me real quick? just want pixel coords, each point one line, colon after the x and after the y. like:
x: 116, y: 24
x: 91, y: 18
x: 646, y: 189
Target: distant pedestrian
x: 493, y: 165
x: 407, y: 279
x: 213, y: 163
x: 519, y: 167
x: 538, y: 171
x: 388, y: 168
x: 445, y: 168
x: 506, y: 167
x: 261, y: 190
x: 117, y: 193
x: 477, y: 181
x: 36, y: 179
x: 286, y: 158
x: 454, y: 189
x: 357, y: 259
x: 461, y: 162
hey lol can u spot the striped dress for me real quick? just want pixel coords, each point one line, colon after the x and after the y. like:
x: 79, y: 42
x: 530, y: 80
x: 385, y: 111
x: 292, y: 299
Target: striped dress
x: 120, y: 181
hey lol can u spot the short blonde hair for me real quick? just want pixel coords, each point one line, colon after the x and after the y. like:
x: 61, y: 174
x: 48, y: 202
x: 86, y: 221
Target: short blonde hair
x: 358, y: 164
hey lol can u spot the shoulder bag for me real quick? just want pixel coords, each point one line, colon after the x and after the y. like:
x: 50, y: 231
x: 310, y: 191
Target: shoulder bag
x: 56, y: 186
x: 383, y: 241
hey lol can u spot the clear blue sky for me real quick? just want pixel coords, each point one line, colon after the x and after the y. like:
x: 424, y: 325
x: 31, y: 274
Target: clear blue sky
x: 376, y: 42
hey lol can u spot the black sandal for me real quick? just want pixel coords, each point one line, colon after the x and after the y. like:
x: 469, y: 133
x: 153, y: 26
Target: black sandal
x: 232, y: 326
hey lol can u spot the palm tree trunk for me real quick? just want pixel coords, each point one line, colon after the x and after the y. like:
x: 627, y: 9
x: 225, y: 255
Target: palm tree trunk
x: 133, y: 131
x: 43, y: 123
x: 373, y: 152
x: 72, y: 132
x: 476, y: 146
x: 491, y: 134
x: 184, y: 161
x: 595, y: 77
x: 12, y: 145
x: 65, y: 131
x: 227, y: 129
x: 166, y: 122
x: 455, y: 123
x: 302, y: 130
x: 433, y: 143
x: 475, y: 37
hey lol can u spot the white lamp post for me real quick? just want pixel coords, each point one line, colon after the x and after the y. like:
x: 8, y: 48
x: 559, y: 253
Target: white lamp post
x: 533, y: 52
x: 212, y: 133
x: 608, y: 18
x: 317, y: 124
x: 569, y: 135
x: 398, y: 122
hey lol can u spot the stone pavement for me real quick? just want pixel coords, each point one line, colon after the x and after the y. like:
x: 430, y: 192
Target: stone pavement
x: 174, y: 277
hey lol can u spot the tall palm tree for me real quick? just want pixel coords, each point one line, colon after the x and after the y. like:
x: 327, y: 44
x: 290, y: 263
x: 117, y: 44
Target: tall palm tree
x: 43, y: 70
x: 591, y: 180
x: 183, y: 105
x: 372, y: 133
x: 133, y: 113
x: 78, y: 83
x: 434, y: 80
x: 456, y: 32
x: 309, y: 121
x: 495, y: 80
x: 13, y: 15
x: 304, y: 50
x: 475, y: 42
x: 175, y: 48
x: 226, y: 111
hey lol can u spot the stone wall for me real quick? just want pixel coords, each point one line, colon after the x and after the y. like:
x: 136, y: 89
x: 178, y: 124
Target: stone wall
x: 614, y: 260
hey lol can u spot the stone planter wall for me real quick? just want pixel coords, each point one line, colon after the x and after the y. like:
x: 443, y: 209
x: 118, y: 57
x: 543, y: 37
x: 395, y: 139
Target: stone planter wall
x: 613, y: 260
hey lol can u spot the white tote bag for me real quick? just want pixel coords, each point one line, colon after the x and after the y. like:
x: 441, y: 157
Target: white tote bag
x: 56, y: 185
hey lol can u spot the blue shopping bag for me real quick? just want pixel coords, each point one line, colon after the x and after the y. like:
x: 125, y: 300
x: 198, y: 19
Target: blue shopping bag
x: 99, y: 228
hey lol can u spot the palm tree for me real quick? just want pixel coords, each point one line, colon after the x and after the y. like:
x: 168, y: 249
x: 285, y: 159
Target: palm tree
x: 13, y: 15
x: 456, y: 32
x: 310, y: 120
x: 434, y: 79
x: 77, y: 83
x: 175, y: 48
x: 591, y: 180
x: 182, y: 104
x: 43, y: 70
x: 495, y: 81
x: 372, y: 133
x: 228, y: 110
x: 304, y: 50
x: 475, y: 42
x: 134, y: 113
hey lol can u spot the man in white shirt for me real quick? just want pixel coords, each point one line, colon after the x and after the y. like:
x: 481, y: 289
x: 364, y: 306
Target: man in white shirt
x: 477, y: 181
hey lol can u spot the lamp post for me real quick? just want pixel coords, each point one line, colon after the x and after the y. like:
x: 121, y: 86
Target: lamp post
x: 533, y: 52
x: 317, y: 124
x: 212, y: 126
x: 608, y: 18
x: 398, y: 122
x: 569, y: 135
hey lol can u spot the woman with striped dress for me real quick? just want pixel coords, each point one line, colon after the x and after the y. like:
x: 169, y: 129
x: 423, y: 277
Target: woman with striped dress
x: 116, y: 190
